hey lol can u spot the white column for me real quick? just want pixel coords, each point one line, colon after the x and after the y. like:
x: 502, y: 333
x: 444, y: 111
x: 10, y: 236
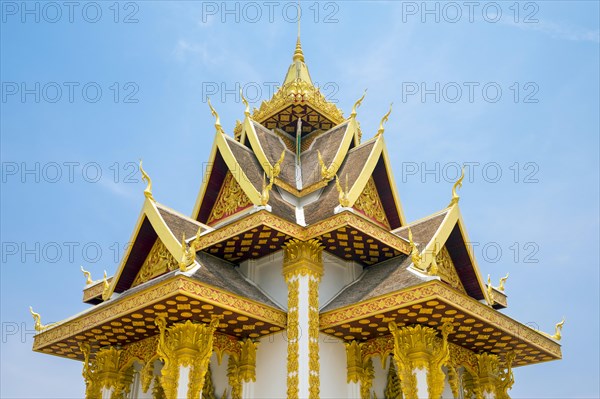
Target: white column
x: 182, y: 386
x: 422, y: 386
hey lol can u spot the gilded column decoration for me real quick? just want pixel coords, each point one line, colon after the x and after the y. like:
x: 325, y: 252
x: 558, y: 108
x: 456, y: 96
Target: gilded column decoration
x: 242, y: 367
x: 208, y: 390
x: 393, y: 390
x: 188, y: 345
x: 292, y: 338
x: 231, y: 199
x: 417, y: 347
x: 303, y: 259
x: 369, y: 203
x: 446, y: 270
x: 488, y: 372
x: 233, y: 376
x: 359, y: 368
x: 101, y: 372
x: 354, y: 365
x: 158, y: 261
x: 505, y: 378
x: 454, y: 381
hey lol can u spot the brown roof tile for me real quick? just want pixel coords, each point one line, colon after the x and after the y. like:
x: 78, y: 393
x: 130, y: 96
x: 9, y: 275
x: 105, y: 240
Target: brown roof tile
x: 178, y: 224
x: 352, y: 166
x: 226, y: 276
x: 328, y: 144
x: 380, y: 279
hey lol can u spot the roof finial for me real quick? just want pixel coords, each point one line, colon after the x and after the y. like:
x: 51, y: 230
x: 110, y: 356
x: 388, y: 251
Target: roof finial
x: 298, y: 54
x: 217, y: 119
x: 455, y: 187
x: 357, y: 104
x: 383, y: 121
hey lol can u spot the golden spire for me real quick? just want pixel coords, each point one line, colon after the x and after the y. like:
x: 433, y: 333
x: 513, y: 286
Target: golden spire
x: 298, y: 54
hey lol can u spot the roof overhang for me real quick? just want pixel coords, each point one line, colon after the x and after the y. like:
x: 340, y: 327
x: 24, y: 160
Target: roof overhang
x: 478, y: 327
x: 261, y: 233
x: 130, y: 318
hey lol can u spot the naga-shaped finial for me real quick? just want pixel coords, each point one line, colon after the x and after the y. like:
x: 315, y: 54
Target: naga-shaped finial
x: 277, y: 167
x: 357, y: 104
x: 88, y: 276
x: 217, y: 118
x: 188, y: 254
x: 106, y: 288
x: 502, y: 281
x: 266, y: 188
x: 455, y: 187
x: 415, y: 256
x: 383, y: 121
x: 37, y: 320
x: 247, y: 110
x: 490, y: 291
x: 146, y: 178
x: 326, y: 173
x: 558, y: 330
x: 342, y: 194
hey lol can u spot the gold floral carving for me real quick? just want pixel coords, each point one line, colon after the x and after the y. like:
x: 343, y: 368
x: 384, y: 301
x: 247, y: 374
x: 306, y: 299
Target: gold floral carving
x: 208, y: 390
x: 233, y: 376
x: 393, y: 390
x: 369, y: 203
x: 158, y: 261
x: 241, y: 367
x: 292, y: 338
x: 102, y: 372
x: 354, y: 365
x: 488, y: 367
x: 302, y: 257
x: 453, y: 381
x: 416, y: 347
x: 447, y: 271
x: 359, y: 368
x: 313, y: 337
x: 188, y: 345
x: 366, y: 379
x: 231, y: 199
x: 298, y: 92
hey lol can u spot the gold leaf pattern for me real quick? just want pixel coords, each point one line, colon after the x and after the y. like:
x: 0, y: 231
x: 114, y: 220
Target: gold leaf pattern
x: 231, y: 198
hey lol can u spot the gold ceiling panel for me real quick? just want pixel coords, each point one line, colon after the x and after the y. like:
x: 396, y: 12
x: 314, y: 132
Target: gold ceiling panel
x: 286, y: 120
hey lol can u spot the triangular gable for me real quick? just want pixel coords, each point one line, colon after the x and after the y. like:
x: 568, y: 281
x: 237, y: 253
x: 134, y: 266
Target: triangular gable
x: 452, y: 236
x: 377, y: 169
x: 230, y: 200
x: 221, y: 162
x: 150, y: 229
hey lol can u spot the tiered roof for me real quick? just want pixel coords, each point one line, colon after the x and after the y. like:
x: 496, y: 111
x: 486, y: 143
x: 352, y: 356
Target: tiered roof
x: 296, y: 168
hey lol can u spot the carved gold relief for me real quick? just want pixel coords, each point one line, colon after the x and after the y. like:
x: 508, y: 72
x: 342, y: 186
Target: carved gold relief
x: 370, y: 204
x: 417, y: 347
x: 302, y: 257
x: 393, y: 390
x: 231, y: 198
x: 158, y: 261
x: 447, y: 271
x: 298, y: 92
x: 188, y: 345
x: 292, y: 338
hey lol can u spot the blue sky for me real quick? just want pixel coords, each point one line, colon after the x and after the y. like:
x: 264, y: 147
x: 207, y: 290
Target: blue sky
x: 529, y: 128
